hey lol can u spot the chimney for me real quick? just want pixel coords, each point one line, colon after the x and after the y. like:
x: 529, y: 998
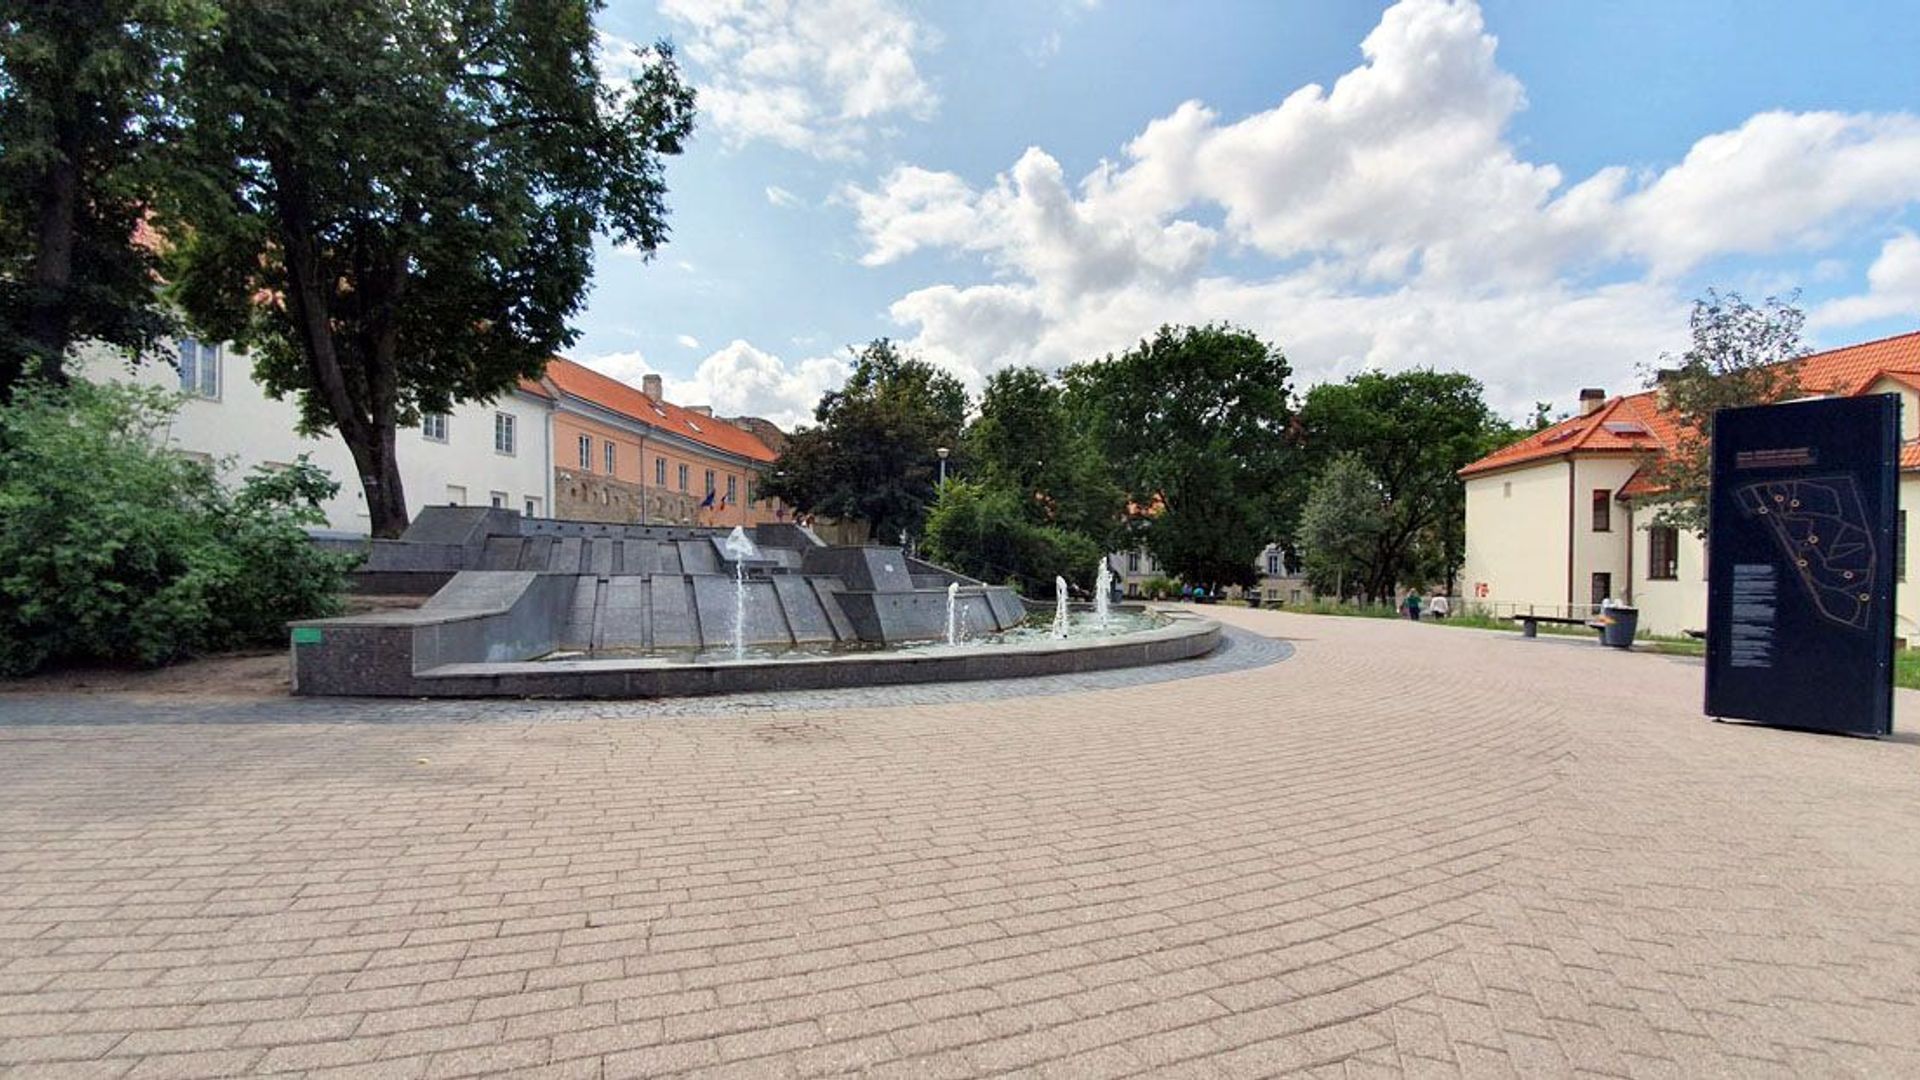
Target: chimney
x: 703, y: 410
x: 1663, y: 388
x: 650, y: 385
x: 1591, y: 399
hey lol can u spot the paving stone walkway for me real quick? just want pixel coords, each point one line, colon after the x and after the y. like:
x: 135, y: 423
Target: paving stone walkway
x: 1405, y: 850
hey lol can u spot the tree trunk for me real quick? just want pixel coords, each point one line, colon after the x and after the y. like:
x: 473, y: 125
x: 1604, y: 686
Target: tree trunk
x: 379, y: 468
x: 49, y: 317
x: 369, y: 433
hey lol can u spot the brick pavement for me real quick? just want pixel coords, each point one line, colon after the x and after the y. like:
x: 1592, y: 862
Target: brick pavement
x: 1406, y: 850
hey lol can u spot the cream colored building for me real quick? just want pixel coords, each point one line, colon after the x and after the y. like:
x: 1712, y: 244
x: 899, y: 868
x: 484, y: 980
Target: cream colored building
x: 1552, y: 527
x: 497, y: 453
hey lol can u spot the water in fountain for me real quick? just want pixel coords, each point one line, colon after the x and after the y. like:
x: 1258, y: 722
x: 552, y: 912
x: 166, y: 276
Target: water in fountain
x: 1059, y: 607
x: 740, y: 549
x: 1102, y: 588
x: 953, y: 613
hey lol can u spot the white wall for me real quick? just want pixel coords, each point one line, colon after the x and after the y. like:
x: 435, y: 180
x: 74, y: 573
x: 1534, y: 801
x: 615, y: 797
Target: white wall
x: 1517, y: 537
x: 242, y: 424
x: 1599, y: 552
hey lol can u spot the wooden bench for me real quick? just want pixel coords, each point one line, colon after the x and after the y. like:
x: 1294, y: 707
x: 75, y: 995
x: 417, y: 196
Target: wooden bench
x: 1530, y: 624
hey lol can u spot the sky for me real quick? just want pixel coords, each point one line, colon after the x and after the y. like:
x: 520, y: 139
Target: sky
x: 1533, y: 193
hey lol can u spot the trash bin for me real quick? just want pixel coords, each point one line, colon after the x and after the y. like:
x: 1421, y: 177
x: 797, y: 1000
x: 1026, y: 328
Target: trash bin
x: 1619, y: 625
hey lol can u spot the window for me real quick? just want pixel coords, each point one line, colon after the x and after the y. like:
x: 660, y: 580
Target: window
x: 1602, y: 588
x: 498, y: 499
x: 659, y: 472
x: 610, y: 459
x: 456, y: 495
x: 1273, y: 564
x: 1663, y: 553
x: 434, y: 426
x: 199, y: 368
x: 1602, y: 510
x: 733, y: 492
x: 586, y: 453
x: 1133, y: 562
x: 683, y: 478
x: 533, y: 507
x: 503, y: 432
x: 1506, y: 489
x: 709, y: 488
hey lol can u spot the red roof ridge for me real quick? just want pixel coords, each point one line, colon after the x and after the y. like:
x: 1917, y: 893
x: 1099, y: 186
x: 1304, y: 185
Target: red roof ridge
x: 627, y: 400
x: 1846, y: 370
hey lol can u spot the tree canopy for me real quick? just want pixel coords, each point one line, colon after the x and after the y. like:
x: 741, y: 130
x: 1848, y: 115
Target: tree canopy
x: 873, y: 452
x: 1413, y: 431
x: 393, y: 204
x: 1340, y: 526
x: 1741, y: 355
x: 1193, y: 422
x: 85, y: 139
x: 1026, y: 442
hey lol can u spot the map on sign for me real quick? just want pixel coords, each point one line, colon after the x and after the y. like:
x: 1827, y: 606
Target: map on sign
x: 1821, y: 524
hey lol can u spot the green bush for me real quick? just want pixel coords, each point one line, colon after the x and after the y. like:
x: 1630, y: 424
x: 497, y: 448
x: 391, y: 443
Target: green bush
x: 115, y: 549
x: 1159, y: 588
x: 980, y: 531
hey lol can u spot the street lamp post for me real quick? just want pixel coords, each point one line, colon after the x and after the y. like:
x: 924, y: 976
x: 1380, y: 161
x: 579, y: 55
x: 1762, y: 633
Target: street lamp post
x: 943, y: 452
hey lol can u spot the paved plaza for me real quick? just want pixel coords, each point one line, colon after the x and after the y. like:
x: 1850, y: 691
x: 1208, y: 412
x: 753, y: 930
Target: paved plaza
x: 1388, y: 850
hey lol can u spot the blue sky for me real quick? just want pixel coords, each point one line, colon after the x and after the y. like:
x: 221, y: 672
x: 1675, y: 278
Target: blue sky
x: 1530, y: 192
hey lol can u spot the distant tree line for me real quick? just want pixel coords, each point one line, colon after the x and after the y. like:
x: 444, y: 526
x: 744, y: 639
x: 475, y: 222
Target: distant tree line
x: 1192, y: 445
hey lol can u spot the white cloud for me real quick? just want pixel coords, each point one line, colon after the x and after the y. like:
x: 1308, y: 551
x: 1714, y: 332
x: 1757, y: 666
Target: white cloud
x: 780, y: 196
x: 738, y: 380
x: 1893, y: 288
x: 1397, y: 223
x: 688, y: 341
x: 818, y: 77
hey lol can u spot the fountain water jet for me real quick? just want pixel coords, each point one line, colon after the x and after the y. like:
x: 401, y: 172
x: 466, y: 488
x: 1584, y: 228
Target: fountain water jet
x: 953, y: 613
x: 740, y: 549
x: 1059, y: 607
x: 1102, y: 589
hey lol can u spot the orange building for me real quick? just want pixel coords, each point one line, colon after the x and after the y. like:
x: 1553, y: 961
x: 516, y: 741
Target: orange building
x: 626, y: 454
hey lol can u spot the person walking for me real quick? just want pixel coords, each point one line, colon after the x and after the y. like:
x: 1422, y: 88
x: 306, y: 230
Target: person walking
x: 1439, y: 606
x: 1413, y: 605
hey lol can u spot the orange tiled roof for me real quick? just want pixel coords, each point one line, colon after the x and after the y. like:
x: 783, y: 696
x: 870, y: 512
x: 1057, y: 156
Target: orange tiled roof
x: 610, y: 393
x: 1632, y: 424
x: 1842, y: 372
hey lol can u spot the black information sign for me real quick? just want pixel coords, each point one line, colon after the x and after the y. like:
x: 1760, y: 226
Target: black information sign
x: 1801, y: 564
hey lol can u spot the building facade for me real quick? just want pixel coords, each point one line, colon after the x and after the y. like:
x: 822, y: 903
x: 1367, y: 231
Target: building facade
x: 574, y: 444
x: 480, y: 454
x: 626, y: 454
x: 1556, y: 522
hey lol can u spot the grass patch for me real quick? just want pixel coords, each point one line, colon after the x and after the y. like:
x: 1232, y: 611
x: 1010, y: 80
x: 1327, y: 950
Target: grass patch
x: 1906, y: 668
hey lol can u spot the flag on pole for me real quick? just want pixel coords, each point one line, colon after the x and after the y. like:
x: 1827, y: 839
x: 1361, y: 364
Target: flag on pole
x: 707, y: 503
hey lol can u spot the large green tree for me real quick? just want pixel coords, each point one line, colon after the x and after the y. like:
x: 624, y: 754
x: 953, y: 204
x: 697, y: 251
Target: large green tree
x: 1025, y: 441
x: 1414, y: 431
x: 85, y: 138
x: 396, y: 199
x: 1340, y: 526
x: 1741, y: 354
x: 872, y: 454
x: 1194, y: 421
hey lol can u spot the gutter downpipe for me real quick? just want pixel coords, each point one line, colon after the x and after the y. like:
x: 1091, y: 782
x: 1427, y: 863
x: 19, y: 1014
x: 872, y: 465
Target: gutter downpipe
x: 1570, y: 520
x: 1629, y: 554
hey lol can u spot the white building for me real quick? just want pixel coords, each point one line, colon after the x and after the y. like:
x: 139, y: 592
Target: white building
x: 496, y: 454
x: 1552, y: 526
